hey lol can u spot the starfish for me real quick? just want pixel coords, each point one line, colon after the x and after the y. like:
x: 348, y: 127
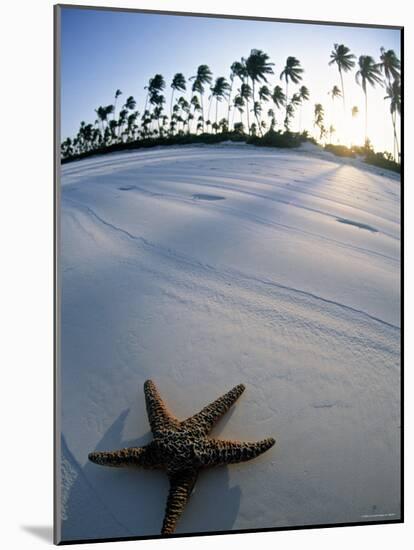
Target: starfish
x: 183, y: 448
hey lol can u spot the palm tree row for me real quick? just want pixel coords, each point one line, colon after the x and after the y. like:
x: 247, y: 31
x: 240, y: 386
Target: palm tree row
x: 370, y: 72
x: 246, y: 92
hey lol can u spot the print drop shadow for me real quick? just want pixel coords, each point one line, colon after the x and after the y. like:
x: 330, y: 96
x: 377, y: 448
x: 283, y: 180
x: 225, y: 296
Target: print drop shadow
x: 42, y: 532
x: 106, y: 502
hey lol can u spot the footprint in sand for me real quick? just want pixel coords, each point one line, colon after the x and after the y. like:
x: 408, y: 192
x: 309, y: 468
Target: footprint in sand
x: 127, y: 188
x: 203, y: 197
x: 357, y: 224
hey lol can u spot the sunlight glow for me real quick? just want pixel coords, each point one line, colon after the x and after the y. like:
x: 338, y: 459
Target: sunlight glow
x: 103, y: 51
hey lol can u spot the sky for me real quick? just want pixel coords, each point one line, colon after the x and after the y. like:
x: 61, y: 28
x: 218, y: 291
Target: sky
x: 102, y: 51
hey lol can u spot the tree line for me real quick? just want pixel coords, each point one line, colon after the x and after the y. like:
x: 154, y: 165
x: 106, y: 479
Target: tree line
x: 252, y: 105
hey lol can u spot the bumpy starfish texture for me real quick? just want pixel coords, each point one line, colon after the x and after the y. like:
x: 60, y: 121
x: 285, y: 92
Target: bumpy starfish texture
x: 183, y: 448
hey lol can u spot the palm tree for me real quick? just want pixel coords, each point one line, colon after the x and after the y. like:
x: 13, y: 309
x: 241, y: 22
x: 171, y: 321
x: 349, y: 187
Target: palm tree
x: 295, y: 100
x: 196, y: 108
x: 130, y: 103
x: 177, y: 84
x: 304, y: 96
x: 331, y: 131
x: 185, y: 107
x: 96, y: 138
x: 155, y: 85
x: 271, y: 115
x: 369, y: 72
x: 238, y: 103
x: 344, y: 59
x: 334, y: 93
x: 131, y: 124
x: 264, y: 95
x: 210, y: 103
x: 86, y: 134
x: 122, y: 118
x: 223, y: 125
x: 257, y: 109
x: 319, y: 116
x: 145, y: 122
x: 109, y: 109
x: 203, y: 76
x: 66, y: 148
x: 112, y: 126
x: 79, y: 136
x: 278, y: 97
x: 239, y: 128
x: 390, y: 65
x: 102, y: 116
x: 257, y: 67
x: 290, y: 111
x: 158, y: 101
x: 292, y: 71
x: 237, y: 69
x: 394, y: 95
x: 219, y: 91
x: 107, y: 135
x: 117, y: 94
x: 246, y: 93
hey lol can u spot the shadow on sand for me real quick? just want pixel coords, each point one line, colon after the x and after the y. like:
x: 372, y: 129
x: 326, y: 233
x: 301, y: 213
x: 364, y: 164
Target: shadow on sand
x: 103, y: 502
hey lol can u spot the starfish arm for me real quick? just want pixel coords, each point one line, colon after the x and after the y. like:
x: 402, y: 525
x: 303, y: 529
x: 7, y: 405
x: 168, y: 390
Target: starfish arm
x: 216, y: 452
x: 146, y: 457
x: 181, y: 485
x: 158, y: 416
x: 207, y: 417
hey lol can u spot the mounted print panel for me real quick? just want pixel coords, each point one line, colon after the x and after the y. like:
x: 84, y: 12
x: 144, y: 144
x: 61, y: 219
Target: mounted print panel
x: 228, y: 274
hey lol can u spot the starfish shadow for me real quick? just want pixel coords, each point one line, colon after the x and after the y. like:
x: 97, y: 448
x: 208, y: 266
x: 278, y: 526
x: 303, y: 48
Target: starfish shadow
x: 111, y: 502
x: 214, y: 504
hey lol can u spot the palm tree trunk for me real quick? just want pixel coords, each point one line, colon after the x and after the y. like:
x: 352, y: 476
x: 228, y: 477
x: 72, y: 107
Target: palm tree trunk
x: 216, y: 113
x: 228, y: 101
x: 286, y: 102
x: 113, y: 114
x: 171, y: 108
x: 146, y: 102
x: 395, y: 138
x: 342, y: 86
x: 366, y: 117
x: 254, y: 109
x: 209, y: 107
x: 202, y: 109
x: 248, y: 116
x: 259, y: 123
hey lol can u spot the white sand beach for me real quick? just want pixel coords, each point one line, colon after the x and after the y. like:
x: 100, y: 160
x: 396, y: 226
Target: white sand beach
x: 202, y: 267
